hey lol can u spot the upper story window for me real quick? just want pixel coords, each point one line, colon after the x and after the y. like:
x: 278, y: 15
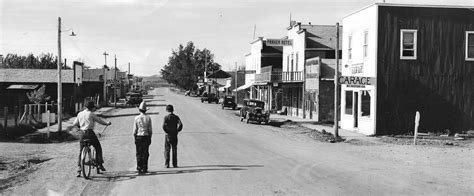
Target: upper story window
x: 408, y: 44
x: 349, y: 50
x: 470, y: 45
x: 296, y: 64
x: 366, y: 43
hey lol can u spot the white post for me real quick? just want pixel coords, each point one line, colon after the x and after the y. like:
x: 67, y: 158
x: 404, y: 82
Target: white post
x: 47, y: 123
x: 417, y: 122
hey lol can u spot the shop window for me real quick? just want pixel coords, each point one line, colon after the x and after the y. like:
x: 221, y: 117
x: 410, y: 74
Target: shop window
x: 470, y: 45
x: 365, y: 104
x: 408, y: 44
x: 348, y: 108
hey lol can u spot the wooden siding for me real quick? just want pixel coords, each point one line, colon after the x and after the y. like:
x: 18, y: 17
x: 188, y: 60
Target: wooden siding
x: 439, y: 83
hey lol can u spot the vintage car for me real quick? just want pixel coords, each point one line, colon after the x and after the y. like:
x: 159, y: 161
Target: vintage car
x: 211, y: 97
x: 133, y: 99
x: 252, y: 110
x: 229, y: 101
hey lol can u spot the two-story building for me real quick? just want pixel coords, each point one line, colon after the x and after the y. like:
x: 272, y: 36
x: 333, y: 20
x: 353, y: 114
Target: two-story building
x: 309, y: 41
x: 399, y: 59
x: 267, y: 62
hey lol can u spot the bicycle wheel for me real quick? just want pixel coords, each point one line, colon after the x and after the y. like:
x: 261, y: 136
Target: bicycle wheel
x: 94, y: 159
x: 86, y: 162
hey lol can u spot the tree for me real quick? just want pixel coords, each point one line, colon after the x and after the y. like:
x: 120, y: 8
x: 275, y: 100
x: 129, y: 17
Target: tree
x: 43, y: 61
x: 186, y: 64
x: 38, y: 96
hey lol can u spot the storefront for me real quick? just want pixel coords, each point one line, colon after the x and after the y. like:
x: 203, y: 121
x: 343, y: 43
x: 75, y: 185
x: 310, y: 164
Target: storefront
x: 358, y: 104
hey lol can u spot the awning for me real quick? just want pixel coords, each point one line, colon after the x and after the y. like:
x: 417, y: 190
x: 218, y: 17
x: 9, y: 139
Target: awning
x: 23, y: 86
x: 245, y: 86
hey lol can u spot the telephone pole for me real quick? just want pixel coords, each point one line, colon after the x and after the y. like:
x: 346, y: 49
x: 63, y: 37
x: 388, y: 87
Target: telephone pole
x: 60, y: 90
x: 105, y: 78
x: 336, y: 86
x: 235, y: 86
x: 115, y: 81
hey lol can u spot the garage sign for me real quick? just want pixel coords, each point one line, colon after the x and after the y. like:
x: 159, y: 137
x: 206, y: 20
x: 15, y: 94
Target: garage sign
x: 355, y: 81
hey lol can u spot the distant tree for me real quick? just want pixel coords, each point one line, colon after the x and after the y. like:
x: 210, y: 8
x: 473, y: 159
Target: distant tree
x: 38, y: 96
x: 43, y: 61
x: 186, y: 64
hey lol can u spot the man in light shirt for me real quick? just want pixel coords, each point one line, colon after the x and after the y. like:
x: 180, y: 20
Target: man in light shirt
x: 142, y: 132
x: 85, y: 120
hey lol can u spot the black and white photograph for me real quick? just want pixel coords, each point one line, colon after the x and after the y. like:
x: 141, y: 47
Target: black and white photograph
x: 241, y: 97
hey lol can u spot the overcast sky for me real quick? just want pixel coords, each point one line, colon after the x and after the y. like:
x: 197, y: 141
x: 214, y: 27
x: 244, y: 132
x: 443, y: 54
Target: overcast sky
x: 143, y: 32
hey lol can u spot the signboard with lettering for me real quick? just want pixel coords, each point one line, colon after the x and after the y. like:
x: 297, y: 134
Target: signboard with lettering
x: 312, y: 73
x: 355, y: 81
x: 279, y: 42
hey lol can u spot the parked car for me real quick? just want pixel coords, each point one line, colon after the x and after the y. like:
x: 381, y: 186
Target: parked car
x: 133, y: 99
x: 229, y: 101
x: 252, y: 110
x: 211, y: 97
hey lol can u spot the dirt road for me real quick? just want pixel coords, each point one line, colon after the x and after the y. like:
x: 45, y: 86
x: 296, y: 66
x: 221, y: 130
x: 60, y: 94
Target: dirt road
x: 219, y: 155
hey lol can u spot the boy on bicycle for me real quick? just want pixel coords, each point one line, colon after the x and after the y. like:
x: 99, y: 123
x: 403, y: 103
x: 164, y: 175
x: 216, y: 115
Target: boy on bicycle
x: 85, y: 120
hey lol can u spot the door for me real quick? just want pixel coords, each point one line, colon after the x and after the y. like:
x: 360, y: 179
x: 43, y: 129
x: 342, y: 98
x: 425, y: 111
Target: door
x: 356, y: 109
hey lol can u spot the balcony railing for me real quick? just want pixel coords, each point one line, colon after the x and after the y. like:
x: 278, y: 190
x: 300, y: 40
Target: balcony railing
x: 292, y: 76
x: 274, y: 76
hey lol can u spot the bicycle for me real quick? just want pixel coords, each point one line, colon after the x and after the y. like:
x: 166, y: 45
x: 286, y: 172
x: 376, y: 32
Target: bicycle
x: 88, y: 157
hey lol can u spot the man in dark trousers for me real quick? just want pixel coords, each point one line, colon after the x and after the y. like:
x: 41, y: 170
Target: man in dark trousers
x: 142, y: 132
x: 172, y: 126
x: 86, y: 120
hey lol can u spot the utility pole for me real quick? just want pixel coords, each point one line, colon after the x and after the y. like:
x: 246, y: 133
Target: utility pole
x: 60, y: 90
x: 105, y: 78
x: 336, y: 86
x: 235, y: 86
x: 115, y: 81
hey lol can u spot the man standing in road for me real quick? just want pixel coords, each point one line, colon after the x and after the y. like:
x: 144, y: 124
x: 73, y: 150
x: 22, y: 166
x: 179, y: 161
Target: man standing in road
x: 172, y: 126
x: 142, y: 132
x: 85, y: 120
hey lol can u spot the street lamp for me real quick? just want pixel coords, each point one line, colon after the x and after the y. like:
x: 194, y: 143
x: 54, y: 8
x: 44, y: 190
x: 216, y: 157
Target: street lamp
x: 60, y: 90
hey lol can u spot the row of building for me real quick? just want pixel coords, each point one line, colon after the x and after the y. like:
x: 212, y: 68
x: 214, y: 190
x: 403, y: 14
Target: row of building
x: 395, y: 59
x: 79, y: 84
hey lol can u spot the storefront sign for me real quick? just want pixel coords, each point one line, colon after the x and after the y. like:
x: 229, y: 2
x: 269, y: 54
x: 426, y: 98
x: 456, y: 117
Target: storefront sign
x: 354, y: 81
x: 357, y: 68
x: 279, y: 42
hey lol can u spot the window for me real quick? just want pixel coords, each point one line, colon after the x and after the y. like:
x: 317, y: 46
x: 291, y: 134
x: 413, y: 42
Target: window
x: 470, y: 45
x: 348, y: 108
x: 407, y: 44
x: 366, y: 44
x: 296, y: 66
x: 349, y: 52
x: 365, y: 104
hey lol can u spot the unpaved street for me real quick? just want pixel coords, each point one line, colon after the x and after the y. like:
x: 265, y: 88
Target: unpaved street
x: 219, y: 155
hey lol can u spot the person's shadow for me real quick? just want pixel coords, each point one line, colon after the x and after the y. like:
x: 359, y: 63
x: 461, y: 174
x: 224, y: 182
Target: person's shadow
x: 128, y: 175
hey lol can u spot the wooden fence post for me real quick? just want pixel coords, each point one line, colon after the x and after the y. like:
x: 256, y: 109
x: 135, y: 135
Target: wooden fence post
x: 15, y: 115
x: 5, y: 114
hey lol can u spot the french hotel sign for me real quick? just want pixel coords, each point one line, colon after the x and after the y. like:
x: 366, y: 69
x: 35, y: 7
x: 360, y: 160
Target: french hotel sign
x: 356, y: 81
x: 279, y: 42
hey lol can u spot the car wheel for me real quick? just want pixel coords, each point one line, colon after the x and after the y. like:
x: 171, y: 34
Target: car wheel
x: 233, y: 108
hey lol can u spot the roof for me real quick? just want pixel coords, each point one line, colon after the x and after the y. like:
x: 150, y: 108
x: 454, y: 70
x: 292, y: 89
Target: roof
x: 22, y: 87
x: 219, y: 74
x: 410, y: 5
x: 36, y: 75
x: 321, y: 36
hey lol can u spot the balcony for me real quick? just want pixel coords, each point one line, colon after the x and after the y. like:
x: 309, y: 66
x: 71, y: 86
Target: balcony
x: 292, y: 76
x: 268, y: 75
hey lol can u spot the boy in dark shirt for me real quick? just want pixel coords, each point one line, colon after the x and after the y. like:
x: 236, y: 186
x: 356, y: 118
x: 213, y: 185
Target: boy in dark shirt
x: 172, y: 126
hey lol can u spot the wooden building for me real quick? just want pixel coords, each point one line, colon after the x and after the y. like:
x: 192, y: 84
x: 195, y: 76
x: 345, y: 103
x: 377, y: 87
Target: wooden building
x: 399, y: 59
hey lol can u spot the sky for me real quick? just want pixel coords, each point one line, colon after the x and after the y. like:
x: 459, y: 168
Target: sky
x: 144, y: 32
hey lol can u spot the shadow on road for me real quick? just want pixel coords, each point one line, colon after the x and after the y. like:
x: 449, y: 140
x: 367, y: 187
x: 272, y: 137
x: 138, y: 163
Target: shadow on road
x: 123, y: 115
x: 128, y: 175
